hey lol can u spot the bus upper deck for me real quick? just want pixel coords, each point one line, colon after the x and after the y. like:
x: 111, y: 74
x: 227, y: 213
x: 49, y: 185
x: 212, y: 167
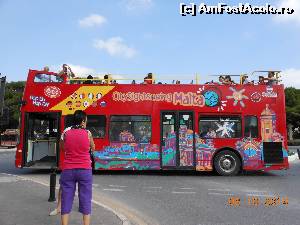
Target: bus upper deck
x: 156, y: 126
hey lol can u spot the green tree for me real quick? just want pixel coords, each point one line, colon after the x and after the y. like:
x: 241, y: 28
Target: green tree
x: 292, y: 102
x: 12, y: 100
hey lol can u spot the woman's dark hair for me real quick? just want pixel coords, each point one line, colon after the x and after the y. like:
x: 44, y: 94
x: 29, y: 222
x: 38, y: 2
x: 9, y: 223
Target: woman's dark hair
x: 228, y: 77
x: 78, y: 117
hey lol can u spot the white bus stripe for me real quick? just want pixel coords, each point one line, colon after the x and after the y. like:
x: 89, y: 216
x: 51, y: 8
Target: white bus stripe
x: 219, y: 190
x: 215, y: 193
x: 117, y: 186
x: 186, y: 188
x: 112, y: 189
x: 261, y: 195
x: 182, y: 192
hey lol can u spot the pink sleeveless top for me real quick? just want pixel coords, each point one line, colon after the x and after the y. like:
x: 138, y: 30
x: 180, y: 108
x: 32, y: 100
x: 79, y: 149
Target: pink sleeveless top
x: 76, y: 147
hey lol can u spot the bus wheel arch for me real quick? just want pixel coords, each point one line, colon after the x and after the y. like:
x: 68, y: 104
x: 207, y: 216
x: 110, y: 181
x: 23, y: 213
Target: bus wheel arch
x: 227, y: 161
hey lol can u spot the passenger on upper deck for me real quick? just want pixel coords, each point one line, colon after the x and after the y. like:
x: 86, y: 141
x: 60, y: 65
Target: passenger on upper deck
x: 227, y: 80
x: 271, y: 80
x: 106, y: 79
x: 46, y: 69
x: 221, y: 79
x: 245, y: 80
x: 148, y: 79
x: 66, y: 72
x: 44, y: 77
x: 261, y: 80
x: 89, y: 81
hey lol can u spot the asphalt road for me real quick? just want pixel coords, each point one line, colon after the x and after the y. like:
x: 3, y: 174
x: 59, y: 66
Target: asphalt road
x: 171, y: 198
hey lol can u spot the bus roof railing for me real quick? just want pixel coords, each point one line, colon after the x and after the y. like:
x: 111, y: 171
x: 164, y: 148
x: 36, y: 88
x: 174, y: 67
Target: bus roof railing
x: 118, y: 77
x: 276, y: 73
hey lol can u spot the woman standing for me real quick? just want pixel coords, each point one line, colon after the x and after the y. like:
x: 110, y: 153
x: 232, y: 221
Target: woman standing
x: 76, y: 168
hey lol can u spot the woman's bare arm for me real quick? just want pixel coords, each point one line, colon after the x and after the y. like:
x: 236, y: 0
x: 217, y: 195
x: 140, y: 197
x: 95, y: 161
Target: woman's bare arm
x: 92, y: 144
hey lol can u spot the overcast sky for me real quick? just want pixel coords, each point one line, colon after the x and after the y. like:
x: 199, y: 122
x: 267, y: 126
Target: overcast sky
x: 134, y: 37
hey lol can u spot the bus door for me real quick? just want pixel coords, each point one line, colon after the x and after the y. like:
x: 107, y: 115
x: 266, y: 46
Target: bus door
x: 177, y: 140
x: 41, y: 140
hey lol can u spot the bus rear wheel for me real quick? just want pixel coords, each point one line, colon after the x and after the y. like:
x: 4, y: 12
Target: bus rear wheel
x: 227, y: 163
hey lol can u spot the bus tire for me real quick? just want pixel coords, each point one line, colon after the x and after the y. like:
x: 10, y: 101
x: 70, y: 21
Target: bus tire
x: 227, y: 163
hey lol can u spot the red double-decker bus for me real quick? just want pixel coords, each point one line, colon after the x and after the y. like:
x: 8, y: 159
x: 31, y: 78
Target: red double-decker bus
x: 227, y: 128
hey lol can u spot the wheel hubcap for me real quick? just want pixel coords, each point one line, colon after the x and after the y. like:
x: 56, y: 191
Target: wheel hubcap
x: 227, y: 163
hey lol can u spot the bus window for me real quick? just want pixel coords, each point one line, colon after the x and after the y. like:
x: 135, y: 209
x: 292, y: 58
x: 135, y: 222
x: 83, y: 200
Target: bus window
x: 47, y: 78
x: 130, y: 129
x: 39, y: 129
x: 41, y: 139
x: 96, y: 124
x: 168, y: 126
x: 251, y: 126
x: 220, y: 127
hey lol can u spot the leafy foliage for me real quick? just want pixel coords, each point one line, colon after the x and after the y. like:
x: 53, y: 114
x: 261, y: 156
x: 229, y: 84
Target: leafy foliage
x: 292, y: 101
x: 12, y: 100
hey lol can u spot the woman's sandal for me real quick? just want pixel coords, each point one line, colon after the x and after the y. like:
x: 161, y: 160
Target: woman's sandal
x: 54, y: 212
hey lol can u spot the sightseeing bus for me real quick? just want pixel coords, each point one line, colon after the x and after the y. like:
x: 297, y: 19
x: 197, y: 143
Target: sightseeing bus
x: 202, y: 127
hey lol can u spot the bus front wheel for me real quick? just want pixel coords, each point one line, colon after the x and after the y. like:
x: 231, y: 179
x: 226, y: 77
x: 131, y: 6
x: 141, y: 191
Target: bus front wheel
x: 227, y: 163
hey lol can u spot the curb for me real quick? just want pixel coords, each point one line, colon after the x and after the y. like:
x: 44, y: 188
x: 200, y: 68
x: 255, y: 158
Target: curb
x: 7, y: 150
x: 123, y: 218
